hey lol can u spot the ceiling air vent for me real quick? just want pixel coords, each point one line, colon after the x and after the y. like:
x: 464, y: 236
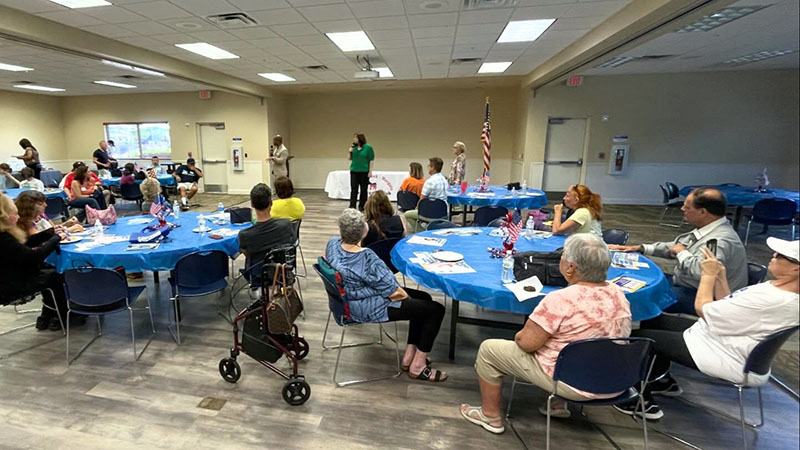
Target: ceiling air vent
x: 488, y: 4
x: 459, y: 61
x: 316, y: 68
x: 232, y: 20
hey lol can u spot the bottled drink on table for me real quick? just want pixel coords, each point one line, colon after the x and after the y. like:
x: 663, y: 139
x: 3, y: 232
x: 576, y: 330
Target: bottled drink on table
x: 97, y: 228
x: 530, y: 226
x: 524, y: 186
x: 220, y: 208
x: 176, y: 209
x: 201, y: 223
x: 508, y: 268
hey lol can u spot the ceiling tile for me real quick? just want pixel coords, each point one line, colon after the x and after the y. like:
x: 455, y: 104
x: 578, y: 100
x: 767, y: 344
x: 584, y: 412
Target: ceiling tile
x: 147, y: 28
x: 476, y: 39
x: 277, y: 16
x: 393, y: 44
x: 324, y: 50
x: 441, y: 50
x: 187, y: 24
x: 337, y: 26
x: 308, y: 40
x: 419, y: 6
x: 113, y: 14
x: 485, y: 28
x: 71, y: 18
x: 205, y: 7
x: 384, y: 23
x: 433, y: 42
x: 271, y: 43
x: 259, y: 5
x: 484, y: 16
x: 325, y: 12
x: 174, y: 38
x: 593, y: 9
x: 540, y: 12
x: 576, y: 23
x: 433, y: 20
x: 213, y: 36
x: 253, y: 33
x: 433, y: 32
x: 382, y: 35
x: 110, y: 31
x: 158, y: 10
x: 300, y: 59
x: 377, y: 8
x: 295, y: 29
x: 300, y: 3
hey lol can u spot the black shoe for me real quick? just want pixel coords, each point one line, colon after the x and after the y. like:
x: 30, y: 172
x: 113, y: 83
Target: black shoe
x: 55, y: 324
x: 651, y: 410
x: 77, y: 320
x: 42, y: 323
x: 666, y: 386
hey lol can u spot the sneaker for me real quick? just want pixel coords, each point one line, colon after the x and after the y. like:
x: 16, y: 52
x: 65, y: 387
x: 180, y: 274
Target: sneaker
x: 666, y: 386
x: 651, y: 410
x: 558, y: 413
x: 54, y: 324
x: 42, y: 323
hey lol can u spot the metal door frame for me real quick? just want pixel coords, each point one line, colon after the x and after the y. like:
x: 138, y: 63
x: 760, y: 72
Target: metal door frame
x: 199, y: 138
x: 584, y: 153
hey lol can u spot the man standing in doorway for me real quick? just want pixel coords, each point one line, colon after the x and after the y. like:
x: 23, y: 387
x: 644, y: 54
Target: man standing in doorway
x: 187, y: 175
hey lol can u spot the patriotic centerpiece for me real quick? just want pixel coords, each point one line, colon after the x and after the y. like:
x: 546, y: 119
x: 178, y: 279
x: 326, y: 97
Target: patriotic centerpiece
x: 762, y: 180
x: 160, y: 209
x: 512, y: 231
x: 483, y: 184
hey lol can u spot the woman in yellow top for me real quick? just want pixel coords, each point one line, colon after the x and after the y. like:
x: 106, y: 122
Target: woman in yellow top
x: 415, y: 180
x: 286, y: 207
x: 588, y: 214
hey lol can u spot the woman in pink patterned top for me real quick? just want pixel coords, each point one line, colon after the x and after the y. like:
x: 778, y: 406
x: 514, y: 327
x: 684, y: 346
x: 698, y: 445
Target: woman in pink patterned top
x: 588, y: 308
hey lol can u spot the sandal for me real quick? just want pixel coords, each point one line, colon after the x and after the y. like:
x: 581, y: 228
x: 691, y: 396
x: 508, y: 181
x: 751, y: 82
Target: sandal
x: 428, y: 362
x: 428, y: 374
x: 483, y: 421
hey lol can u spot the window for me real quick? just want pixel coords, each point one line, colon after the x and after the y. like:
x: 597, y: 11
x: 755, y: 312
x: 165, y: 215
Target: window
x: 139, y: 140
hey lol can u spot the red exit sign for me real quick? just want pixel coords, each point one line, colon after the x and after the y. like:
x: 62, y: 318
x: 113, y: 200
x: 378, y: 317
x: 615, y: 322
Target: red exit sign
x: 574, y: 81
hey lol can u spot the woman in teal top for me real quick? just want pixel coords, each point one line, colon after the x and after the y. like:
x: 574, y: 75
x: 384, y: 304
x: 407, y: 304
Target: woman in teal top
x: 361, y: 157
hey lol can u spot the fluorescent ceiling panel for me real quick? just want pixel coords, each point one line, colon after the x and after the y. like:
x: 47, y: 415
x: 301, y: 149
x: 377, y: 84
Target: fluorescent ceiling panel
x: 13, y: 68
x: 74, y: 4
x: 384, y: 72
x: 754, y: 57
x: 207, y: 50
x: 115, y: 84
x: 524, y: 30
x: 35, y: 87
x: 720, y: 18
x: 132, y: 68
x: 351, y: 41
x: 494, y: 67
x: 279, y: 77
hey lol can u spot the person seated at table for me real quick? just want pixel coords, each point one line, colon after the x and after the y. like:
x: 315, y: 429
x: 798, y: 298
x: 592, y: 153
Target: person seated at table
x: 382, y: 221
x: 187, y: 175
x: 28, y: 181
x: 268, y: 232
x: 435, y: 187
x: 82, y: 190
x: 705, y: 209
x: 587, y: 212
x: 729, y: 325
x: 155, y: 166
x: 127, y: 175
x: 286, y: 206
x: 458, y: 169
x: 102, y: 194
x: 150, y: 187
x: 21, y: 268
x: 590, y: 307
x: 373, y: 295
x: 415, y: 180
x: 7, y: 181
x: 32, y: 219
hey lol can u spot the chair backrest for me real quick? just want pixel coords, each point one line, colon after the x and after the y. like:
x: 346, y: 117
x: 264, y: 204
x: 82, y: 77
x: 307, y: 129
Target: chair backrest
x: 337, y: 302
x: 439, y: 224
x: 296, y: 224
x: 201, y: 268
x: 383, y: 249
x: 756, y: 273
x: 485, y: 214
x: 406, y: 201
x: 774, y: 211
x: 432, y: 208
x: 604, y: 365
x: 93, y: 286
x: 130, y: 190
x: 496, y: 222
x: 760, y: 358
x: 55, y: 207
x: 615, y: 236
x: 730, y: 184
x: 673, y: 190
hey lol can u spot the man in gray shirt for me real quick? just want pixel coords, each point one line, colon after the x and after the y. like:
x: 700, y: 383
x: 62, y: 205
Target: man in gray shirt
x: 705, y: 209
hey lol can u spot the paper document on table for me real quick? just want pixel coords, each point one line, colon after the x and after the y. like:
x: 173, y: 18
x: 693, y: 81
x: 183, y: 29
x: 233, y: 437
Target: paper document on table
x: 140, y: 220
x: 628, y: 284
x: 87, y: 245
x: 110, y: 239
x: 526, y: 289
x: 226, y: 232
x: 481, y: 194
x: 623, y: 260
x: 435, y: 242
x: 469, y: 231
x: 538, y: 234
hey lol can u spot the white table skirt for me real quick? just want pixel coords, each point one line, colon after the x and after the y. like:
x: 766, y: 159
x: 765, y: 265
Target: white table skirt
x: 338, y: 183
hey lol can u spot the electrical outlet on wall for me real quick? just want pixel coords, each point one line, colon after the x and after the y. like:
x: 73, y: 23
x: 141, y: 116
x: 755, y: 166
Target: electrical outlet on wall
x: 601, y: 155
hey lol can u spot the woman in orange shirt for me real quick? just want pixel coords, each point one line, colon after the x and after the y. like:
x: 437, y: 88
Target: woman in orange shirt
x: 415, y: 180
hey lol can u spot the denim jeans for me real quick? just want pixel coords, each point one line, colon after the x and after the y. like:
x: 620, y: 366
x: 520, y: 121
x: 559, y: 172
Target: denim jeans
x: 83, y: 202
x: 685, y: 296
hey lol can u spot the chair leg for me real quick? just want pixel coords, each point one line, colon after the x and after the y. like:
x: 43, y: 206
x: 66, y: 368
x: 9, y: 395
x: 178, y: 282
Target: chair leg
x: 741, y: 415
x: 511, y: 397
x: 94, y: 338
x: 136, y: 355
x: 326, y: 347
x: 549, y: 399
x: 302, y: 258
x: 366, y: 380
x: 644, y: 421
x: 747, y: 233
x: 177, y: 334
x: 784, y: 387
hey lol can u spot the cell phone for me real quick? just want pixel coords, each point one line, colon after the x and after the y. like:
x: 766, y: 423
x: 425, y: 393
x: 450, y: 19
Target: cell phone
x: 711, y: 244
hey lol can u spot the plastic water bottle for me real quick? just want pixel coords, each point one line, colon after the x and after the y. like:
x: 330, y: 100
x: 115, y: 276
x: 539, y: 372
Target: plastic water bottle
x: 98, y: 228
x: 220, y: 208
x: 201, y: 223
x: 176, y: 209
x: 513, y: 192
x: 508, y: 269
x: 530, y: 226
x: 524, y: 186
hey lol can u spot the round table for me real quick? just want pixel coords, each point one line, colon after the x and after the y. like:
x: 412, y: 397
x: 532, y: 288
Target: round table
x: 164, y: 180
x: 747, y: 196
x: 484, y: 287
x: 499, y: 196
x: 180, y: 242
x: 48, y: 192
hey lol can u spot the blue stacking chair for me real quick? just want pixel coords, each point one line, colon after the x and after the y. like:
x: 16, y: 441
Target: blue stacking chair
x: 773, y: 211
x: 439, y: 224
x: 195, y: 275
x: 131, y: 192
x: 337, y: 303
x: 56, y: 208
x: 486, y: 214
x: 96, y: 292
x: 431, y: 209
x: 601, y: 366
x: 756, y: 273
x: 296, y: 224
x: 20, y: 301
x: 670, y: 200
x: 406, y: 201
x: 615, y: 236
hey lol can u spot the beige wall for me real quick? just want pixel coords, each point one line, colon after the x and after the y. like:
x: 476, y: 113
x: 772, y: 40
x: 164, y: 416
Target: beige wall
x: 402, y: 125
x: 36, y: 117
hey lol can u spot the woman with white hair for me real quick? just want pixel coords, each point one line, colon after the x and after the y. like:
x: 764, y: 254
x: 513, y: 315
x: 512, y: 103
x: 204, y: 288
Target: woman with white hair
x: 458, y: 169
x: 373, y: 295
x: 588, y: 308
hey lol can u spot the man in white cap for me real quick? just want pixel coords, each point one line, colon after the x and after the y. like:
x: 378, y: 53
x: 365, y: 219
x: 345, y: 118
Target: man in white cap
x: 729, y: 326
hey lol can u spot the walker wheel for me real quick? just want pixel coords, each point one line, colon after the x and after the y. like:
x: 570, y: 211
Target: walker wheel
x: 301, y: 350
x: 296, y: 391
x: 229, y: 370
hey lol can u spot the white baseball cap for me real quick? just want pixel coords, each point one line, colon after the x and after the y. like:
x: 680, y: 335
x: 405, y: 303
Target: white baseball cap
x: 789, y: 249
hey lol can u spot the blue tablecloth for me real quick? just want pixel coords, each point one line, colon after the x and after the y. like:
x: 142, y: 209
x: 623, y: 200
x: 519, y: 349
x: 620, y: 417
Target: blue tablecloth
x: 181, y: 241
x: 485, y: 289
x: 747, y: 195
x: 49, y: 193
x: 165, y: 180
x: 502, y: 197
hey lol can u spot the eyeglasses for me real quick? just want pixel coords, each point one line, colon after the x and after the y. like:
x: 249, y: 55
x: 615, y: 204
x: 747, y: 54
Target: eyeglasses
x: 793, y: 261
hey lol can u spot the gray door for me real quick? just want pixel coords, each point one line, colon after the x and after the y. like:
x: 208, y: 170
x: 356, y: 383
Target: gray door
x: 563, y: 159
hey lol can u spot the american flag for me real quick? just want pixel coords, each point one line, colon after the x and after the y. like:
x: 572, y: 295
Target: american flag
x: 486, y: 140
x: 160, y: 207
x: 513, y: 228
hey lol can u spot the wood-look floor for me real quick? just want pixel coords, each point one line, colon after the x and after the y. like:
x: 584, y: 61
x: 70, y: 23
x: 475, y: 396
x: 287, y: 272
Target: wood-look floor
x: 105, y: 400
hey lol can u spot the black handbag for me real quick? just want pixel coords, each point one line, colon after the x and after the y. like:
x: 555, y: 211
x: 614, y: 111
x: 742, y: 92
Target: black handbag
x: 241, y: 215
x: 541, y: 264
x: 514, y: 185
x: 255, y: 338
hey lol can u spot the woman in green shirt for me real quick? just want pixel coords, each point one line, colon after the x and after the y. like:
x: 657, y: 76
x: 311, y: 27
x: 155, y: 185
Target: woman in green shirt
x: 361, y: 157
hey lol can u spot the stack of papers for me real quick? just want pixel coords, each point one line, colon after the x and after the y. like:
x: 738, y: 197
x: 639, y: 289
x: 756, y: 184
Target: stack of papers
x: 110, y: 239
x: 143, y: 246
x: 436, y: 242
x: 140, y: 220
x: 226, y: 232
x: 538, y: 234
x: 628, y: 284
x: 526, y: 289
x: 481, y: 194
x: 87, y: 245
x: 623, y: 260
x: 433, y: 265
x: 458, y: 232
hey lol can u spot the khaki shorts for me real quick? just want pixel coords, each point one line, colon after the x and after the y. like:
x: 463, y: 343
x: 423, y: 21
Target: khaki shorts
x: 187, y: 186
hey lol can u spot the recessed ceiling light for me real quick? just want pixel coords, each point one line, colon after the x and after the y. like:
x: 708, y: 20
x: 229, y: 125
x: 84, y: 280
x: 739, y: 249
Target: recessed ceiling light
x: 188, y: 25
x: 524, y: 30
x: 754, y: 57
x: 720, y: 18
x: 81, y: 3
x: 133, y: 68
x: 115, y: 84
x: 13, y: 68
x: 494, y: 67
x: 36, y: 87
x: 207, y: 50
x: 351, y: 41
x: 279, y: 77
x: 384, y: 72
